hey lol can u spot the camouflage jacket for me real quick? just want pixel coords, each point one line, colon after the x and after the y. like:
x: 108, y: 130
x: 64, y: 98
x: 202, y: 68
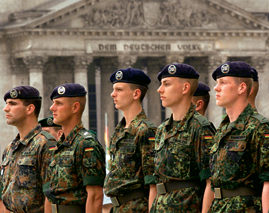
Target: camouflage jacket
x: 132, y: 156
x: 78, y: 161
x: 182, y: 151
x: 240, y: 153
x: 24, y: 171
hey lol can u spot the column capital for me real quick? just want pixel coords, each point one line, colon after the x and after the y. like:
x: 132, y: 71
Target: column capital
x: 107, y: 64
x: 258, y: 62
x: 82, y: 61
x: 215, y: 61
x: 125, y: 61
x: 35, y: 62
x: 174, y: 59
x: 17, y: 65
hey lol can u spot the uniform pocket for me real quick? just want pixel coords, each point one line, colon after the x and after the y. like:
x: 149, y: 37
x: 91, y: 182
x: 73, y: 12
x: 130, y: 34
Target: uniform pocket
x: 178, y: 158
x: 127, y: 159
x: 27, y: 172
x: 67, y: 159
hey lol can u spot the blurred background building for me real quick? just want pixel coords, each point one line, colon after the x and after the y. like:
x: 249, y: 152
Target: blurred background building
x: 45, y: 43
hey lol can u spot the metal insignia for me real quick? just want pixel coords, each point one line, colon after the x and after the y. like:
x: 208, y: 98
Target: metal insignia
x: 61, y: 90
x: 13, y: 93
x: 225, y: 68
x: 172, y: 69
x: 119, y: 75
x: 49, y: 121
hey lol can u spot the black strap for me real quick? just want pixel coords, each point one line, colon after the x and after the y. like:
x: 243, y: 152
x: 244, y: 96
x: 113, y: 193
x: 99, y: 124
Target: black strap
x: 163, y: 188
x: 240, y: 191
x: 134, y: 194
x: 68, y: 208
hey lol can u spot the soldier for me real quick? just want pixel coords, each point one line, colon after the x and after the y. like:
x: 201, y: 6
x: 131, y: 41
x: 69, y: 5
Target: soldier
x: 201, y: 98
x: 27, y: 157
x: 130, y: 182
x: 239, y: 160
x: 183, y: 143
x: 77, y: 170
x: 255, y: 88
x: 52, y: 128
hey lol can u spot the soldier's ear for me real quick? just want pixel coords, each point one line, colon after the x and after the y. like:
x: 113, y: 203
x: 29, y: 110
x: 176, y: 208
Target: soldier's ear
x: 75, y: 107
x: 30, y: 109
x: 136, y: 94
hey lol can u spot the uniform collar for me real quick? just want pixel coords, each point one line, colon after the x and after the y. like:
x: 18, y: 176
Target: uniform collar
x: 184, y: 122
x: 242, y: 119
x: 67, y: 141
x: 134, y: 123
x: 29, y: 136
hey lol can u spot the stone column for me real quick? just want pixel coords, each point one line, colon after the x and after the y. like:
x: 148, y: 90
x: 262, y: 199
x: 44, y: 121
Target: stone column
x: 262, y: 100
x: 81, y: 77
x: 154, y: 66
x: 169, y: 60
x: 107, y: 66
x: 214, y: 112
x: 125, y: 61
x: 35, y: 65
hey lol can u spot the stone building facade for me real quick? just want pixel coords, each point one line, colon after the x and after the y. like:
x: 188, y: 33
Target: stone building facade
x: 84, y: 41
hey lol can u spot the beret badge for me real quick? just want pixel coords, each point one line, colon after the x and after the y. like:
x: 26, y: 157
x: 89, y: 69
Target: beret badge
x: 119, y: 75
x: 14, y: 93
x: 61, y: 90
x: 49, y: 121
x: 225, y: 68
x: 172, y: 69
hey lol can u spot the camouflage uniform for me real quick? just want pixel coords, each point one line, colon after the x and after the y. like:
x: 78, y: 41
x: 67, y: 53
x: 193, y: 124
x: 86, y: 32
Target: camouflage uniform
x: 24, y: 171
x: 239, y: 158
x: 78, y: 161
x: 182, y: 153
x: 132, y: 162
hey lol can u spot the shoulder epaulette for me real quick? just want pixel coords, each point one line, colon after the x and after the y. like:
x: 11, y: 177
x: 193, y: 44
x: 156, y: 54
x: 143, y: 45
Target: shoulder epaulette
x: 261, y: 118
x: 86, y: 134
x: 202, y: 120
x: 47, y: 135
x: 150, y: 124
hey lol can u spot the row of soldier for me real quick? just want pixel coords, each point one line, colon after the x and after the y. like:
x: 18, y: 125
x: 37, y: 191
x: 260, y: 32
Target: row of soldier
x: 184, y: 165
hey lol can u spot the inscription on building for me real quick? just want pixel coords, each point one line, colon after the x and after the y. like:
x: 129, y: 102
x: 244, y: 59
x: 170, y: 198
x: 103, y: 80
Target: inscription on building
x: 130, y: 46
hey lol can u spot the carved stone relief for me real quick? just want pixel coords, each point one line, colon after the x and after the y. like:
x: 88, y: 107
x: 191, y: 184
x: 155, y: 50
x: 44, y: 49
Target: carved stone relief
x: 149, y: 14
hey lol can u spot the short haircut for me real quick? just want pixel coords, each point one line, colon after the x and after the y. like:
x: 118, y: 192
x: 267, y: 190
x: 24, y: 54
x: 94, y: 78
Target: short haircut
x: 247, y: 81
x: 36, y: 102
x: 81, y: 101
x: 205, y: 98
x: 193, y: 84
x: 143, y: 90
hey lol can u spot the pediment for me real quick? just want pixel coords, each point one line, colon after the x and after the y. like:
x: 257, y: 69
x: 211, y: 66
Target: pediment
x: 139, y: 15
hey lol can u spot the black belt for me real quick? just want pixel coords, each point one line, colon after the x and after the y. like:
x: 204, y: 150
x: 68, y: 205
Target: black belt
x: 163, y: 188
x: 240, y: 191
x: 134, y: 194
x: 68, y: 208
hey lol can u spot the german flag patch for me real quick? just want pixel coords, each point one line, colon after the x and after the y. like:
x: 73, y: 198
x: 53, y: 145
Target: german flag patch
x: 52, y: 148
x: 88, y: 149
x: 266, y: 135
x: 208, y: 137
x: 151, y: 138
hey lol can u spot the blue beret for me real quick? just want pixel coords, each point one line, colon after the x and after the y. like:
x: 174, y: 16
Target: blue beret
x: 234, y: 68
x: 68, y: 90
x: 255, y: 74
x: 48, y: 122
x: 22, y: 92
x: 130, y: 75
x: 201, y: 90
x: 178, y: 70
